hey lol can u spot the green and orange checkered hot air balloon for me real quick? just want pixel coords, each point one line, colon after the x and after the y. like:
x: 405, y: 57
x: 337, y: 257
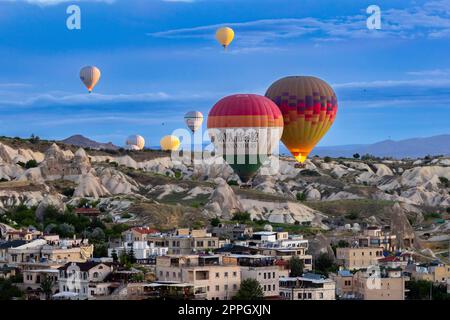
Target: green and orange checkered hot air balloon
x: 245, y: 129
x: 309, y: 107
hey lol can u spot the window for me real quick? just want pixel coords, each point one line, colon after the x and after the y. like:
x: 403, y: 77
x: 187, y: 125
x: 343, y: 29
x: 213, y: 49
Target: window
x: 235, y: 286
x: 273, y: 288
x: 217, y: 288
x: 225, y: 287
x: 217, y: 275
x: 265, y: 275
x: 273, y: 274
x: 234, y: 274
x: 95, y: 274
x: 320, y: 295
x: 309, y: 295
x: 265, y: 288
x: 226, y: 274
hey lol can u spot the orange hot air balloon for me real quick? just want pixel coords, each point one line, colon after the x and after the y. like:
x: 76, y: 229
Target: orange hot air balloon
x: 309, y: 107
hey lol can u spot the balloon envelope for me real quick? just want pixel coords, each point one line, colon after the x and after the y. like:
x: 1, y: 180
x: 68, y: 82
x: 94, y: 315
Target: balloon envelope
x: 194, y: 120
x: 136, y: 140
x: 245, y: 129
x: 170, y: 143
x: 224, y: 36
x: 90, y: 76
x: 309, y: 107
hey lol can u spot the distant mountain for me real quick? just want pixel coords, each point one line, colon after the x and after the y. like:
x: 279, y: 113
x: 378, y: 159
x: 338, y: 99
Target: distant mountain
x: 81, y: 141
x: 409, y: 148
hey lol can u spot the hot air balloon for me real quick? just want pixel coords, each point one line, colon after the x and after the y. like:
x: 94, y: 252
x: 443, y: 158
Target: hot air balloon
x: 309, y: 107
x: 136, y: 140
x: 194, y: 120
x: 170, y: 143
x: 90, y: 75
x: 225, y: 36
x: 132, y: 147
x: 245, y: 129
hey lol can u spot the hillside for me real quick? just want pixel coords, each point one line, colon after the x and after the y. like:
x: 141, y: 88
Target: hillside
x: 81, y: 141
x: 147, y: 187
x: 409, y: 148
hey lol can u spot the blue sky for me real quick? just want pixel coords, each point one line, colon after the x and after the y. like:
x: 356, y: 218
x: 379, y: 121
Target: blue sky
x: 159, y: 59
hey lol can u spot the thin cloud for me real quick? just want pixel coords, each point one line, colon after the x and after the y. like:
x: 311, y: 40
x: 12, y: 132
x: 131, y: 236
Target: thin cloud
x: 56, y: 2
x: 431, y: 20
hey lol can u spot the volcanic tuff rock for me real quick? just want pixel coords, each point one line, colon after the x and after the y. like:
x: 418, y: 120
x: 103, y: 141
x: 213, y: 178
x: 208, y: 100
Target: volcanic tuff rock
x: 223, y: 202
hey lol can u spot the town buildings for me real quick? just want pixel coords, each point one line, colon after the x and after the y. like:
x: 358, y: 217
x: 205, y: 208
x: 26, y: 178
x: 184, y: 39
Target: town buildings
x: 211, y: 277
x: 359, y: 257
x: 371, y: 284
x: 308, y: 287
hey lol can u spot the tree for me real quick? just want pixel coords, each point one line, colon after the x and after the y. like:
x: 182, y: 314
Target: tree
x: 296, y: 266
x: 8, y: 290
x: 426, y: 290
x: 131, y: 257
x: 323, y: 264
x: 47, y: 287
x: 343, y: 244
x: 241, y: 217
x: 114, y: 255
x: 215, y: 222
x: 250, y: 290
x: 356, y: 156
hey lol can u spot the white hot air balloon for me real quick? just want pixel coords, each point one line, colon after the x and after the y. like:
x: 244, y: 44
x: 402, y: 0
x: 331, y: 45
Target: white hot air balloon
x: 90, y: 75
x: 194, y: 120
x: 135, y: 140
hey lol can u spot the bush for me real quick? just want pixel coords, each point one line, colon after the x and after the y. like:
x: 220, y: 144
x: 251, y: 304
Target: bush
x: 68, y: 192
x: 444, y: 181
x: 31, y: 164
x: 241, y: 217
x: 126, y: 215
x: 356, y: 156
x: 215, y: 222
x: 233, y: 183
x: 327, y: 159
x: 301, y: 196
x: 352, y: 216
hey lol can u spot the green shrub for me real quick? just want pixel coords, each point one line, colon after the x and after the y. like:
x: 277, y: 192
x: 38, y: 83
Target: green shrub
x: 31, y: 164
x: 301, y: 196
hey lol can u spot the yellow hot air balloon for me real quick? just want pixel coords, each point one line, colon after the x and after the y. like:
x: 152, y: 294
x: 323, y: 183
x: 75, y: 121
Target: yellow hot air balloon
x: 170, y: 143
x: 90, y: 76
x: 309, y: 106
x: 225, y: 36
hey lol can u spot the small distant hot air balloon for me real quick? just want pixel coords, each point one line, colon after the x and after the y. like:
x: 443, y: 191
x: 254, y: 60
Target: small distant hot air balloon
x: 90, y: 75
x: 170, y: 143
x: 225, y: 36
x: 135, y: 140
x: 245, y: 128
x: 309, y: 106
x: 194, y: 120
